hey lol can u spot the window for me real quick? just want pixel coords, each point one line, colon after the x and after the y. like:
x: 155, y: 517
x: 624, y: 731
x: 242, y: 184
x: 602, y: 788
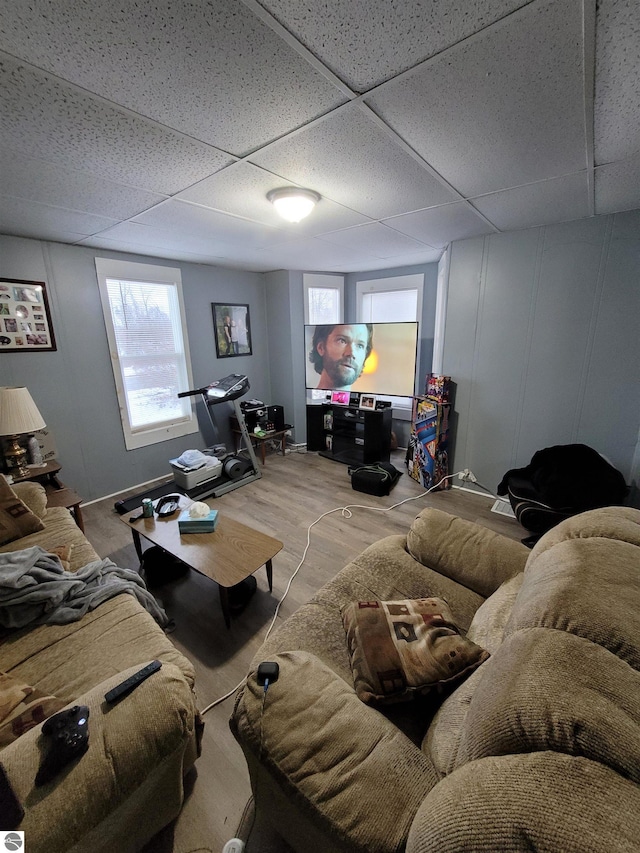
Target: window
x: 391, y: 300
x: 144, y: 318
x: 323, y: 298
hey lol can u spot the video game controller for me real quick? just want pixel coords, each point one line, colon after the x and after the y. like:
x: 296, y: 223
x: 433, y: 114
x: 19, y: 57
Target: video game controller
x: 69, y: 733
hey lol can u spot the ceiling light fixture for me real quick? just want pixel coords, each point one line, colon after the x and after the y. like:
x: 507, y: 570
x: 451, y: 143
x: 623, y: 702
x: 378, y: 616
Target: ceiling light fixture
x: 293, y: 204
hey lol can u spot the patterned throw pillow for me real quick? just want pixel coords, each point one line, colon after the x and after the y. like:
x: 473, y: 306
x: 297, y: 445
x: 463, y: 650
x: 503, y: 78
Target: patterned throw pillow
x: 398, y: 649
x: 16, y: 519
x: 22, y: 707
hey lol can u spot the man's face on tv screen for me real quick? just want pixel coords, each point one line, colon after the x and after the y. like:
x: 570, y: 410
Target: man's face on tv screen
x: 343, y: 353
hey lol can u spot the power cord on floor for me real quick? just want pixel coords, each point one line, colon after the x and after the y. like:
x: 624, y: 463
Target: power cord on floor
x: 346, y: 513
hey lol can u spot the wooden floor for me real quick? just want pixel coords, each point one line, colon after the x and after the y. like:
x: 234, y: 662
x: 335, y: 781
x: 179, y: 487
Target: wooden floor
x: 294, y: 491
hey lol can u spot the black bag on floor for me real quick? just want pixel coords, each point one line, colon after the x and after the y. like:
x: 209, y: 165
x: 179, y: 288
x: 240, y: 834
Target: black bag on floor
x: 158, y: 567
x: 377, y: 479
x: 559, y: 482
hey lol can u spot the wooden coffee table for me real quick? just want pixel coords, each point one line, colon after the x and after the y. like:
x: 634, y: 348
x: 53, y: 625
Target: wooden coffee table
x: 227, y: 556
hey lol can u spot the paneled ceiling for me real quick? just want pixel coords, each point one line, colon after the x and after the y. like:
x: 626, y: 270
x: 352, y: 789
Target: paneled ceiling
x: 158, y: 127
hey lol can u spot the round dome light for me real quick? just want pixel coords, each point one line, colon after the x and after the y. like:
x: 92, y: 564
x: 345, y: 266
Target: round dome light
x: 293, y: 204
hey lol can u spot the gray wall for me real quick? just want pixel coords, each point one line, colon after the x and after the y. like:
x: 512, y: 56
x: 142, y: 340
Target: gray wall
x: 541, y: 339
x: 285, y: 321
x: 74, y: 387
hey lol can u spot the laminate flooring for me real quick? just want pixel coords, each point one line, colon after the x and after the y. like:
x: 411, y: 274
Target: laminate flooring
x: 295, y: 491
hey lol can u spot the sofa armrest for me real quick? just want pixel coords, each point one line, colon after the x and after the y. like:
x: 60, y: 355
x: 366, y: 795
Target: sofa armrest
x: 350, y: 771
x: 33, y: 495
x: 127, y: 786
x: 535, y: 801
x: 464, y: 551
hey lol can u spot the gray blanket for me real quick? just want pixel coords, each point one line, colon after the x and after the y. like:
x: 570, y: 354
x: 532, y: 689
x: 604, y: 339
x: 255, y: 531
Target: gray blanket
x: 36, y: 589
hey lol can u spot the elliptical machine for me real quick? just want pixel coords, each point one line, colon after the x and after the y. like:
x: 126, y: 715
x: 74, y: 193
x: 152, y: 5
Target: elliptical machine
x: 236, y: 471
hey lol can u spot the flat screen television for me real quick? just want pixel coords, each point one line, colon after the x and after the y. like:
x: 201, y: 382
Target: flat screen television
x: 365, y: 358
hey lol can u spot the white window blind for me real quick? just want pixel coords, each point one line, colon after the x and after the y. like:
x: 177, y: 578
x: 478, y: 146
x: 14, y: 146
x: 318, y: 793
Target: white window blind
x: 144, y: 318
x: 397, y: 299
x: 324, y: 297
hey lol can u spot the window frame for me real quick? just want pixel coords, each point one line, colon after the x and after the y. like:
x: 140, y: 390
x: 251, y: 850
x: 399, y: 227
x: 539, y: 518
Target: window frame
x: 410, y: 281
x: 108, y: 268
x: 327, y: 281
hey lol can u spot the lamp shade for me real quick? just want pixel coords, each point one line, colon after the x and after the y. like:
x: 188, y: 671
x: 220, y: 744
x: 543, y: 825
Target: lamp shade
x: 18, y: 413
x: 293, y: 204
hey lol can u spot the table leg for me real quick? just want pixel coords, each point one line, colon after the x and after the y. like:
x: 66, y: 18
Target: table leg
x: 269, y: 567
x: 136, y: 543
x: 78, y: 516
x: 224, y: 603
x: 263, y: 451
x: 284, y: 443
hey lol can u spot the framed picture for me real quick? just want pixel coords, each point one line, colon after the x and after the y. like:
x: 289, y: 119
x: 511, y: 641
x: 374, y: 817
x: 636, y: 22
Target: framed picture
x: 232, y: 329
x: 367, y: 401
x: 25, y: 319
x: 340, y: 397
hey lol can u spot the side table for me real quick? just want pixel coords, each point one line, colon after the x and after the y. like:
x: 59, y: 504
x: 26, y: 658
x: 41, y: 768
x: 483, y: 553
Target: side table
x: 70, y: 500
x: 260, y: 441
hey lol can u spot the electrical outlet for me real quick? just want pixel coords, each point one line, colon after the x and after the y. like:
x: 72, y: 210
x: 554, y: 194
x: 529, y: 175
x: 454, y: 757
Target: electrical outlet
x: 467, y: 476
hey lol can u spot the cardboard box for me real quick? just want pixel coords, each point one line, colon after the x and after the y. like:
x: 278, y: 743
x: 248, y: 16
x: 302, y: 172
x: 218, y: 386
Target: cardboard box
x: 438, y: 388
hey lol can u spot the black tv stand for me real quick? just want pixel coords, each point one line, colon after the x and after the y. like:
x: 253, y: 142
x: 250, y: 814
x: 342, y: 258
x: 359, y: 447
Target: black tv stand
x: 348, y: 434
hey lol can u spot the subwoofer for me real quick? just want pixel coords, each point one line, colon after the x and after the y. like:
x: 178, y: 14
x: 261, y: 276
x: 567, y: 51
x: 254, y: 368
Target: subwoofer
x: 275, y: 416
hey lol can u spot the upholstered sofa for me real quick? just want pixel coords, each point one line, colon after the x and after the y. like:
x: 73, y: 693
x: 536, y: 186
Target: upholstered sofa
x: 538, y: 749
x: 129, y: 784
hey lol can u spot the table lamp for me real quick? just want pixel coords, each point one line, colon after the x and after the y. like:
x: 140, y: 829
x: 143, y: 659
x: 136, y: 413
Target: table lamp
x: 19, y: 416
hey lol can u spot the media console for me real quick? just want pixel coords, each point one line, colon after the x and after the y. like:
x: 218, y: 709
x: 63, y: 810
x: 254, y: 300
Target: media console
x: 348, y: 434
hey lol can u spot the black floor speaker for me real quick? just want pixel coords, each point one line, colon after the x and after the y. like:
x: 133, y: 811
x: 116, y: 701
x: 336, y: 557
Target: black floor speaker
x: 275, y: 415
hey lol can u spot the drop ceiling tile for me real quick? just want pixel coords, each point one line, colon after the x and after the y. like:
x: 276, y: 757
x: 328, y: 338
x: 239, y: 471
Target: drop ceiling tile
x: 537, y: 204
x: 438, y: 226
x: 617, y: 82
x: 348, y: 159
x: 312, y: 254
x: 242, y: 189
x: 48, y: 120
x: 186, y: 220
x: 51, y: 183
x: 425, y: 256
x: 42, y: 221
x: 374, y: 239
x: 617, y: 186
x: 211, y: 69
x: 99, y: 242
x: 367, y: 41
x: 504, y: 108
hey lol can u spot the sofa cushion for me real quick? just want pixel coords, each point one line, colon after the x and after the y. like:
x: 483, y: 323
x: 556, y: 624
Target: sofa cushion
x: 67, y: 660
x: 541, y: 801
x: 16, y: 519
x: 551, y: 690
x: 399, y: 649
x: 474, y: 556
x: 587, y: 587
x: 488, y: 624
x: 22, y: 707
x: 60, y: 529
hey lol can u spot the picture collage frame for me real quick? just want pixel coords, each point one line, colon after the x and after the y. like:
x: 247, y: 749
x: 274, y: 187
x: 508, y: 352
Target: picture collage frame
x: 25, y: 318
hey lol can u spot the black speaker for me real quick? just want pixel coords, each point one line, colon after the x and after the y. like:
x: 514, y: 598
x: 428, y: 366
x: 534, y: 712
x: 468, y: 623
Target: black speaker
x: 275, y: 416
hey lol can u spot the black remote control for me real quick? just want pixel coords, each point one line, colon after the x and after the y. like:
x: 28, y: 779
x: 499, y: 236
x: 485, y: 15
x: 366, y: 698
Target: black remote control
x: 132, y: 682
x: 69, y: 732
